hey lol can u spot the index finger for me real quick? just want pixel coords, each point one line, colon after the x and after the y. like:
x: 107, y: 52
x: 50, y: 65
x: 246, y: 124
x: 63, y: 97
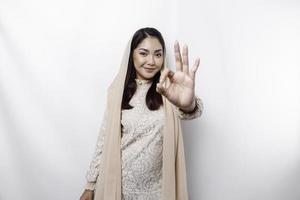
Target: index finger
x: 178, y: 59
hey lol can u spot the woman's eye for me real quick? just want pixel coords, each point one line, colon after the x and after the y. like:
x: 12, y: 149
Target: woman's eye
x: 143, y: 53
x: 158, y: 55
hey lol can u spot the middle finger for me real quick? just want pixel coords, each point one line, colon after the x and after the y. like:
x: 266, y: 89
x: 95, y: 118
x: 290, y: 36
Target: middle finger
x: 185, y: 65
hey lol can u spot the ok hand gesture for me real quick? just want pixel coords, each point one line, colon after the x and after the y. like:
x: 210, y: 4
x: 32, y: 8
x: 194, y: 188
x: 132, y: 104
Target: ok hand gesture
x: 181, y: 91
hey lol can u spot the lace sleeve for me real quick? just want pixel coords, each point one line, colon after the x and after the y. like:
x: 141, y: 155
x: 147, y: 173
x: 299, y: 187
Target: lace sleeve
x: 93, y: 171
x: 197, y: 112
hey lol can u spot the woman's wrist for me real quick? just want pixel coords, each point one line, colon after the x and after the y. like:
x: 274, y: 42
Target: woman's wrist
x: 190, y: 108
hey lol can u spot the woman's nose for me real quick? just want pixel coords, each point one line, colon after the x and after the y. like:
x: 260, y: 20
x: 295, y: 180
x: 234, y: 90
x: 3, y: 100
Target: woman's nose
x: 151, y: 60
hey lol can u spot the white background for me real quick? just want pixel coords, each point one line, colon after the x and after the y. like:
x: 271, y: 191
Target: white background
x: 58, y: 57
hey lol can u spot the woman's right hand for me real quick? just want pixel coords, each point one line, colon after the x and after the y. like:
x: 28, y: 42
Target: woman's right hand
x: 87, y: 195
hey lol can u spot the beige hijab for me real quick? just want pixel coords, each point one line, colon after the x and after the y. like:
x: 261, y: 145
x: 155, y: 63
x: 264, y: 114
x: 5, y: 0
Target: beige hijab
x: 108, y: 187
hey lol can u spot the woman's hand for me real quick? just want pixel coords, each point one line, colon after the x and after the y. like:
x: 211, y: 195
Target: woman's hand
x: 87, y: 195
x: 181, y: 91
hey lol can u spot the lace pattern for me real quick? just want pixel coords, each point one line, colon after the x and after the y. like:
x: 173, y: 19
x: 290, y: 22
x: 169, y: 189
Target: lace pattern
x: 141, y: 147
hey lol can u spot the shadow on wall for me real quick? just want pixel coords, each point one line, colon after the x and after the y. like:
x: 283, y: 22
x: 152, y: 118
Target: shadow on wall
x: 291, y: 183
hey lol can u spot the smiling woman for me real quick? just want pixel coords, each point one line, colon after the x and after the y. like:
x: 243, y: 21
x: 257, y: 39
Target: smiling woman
x: 139, y: 153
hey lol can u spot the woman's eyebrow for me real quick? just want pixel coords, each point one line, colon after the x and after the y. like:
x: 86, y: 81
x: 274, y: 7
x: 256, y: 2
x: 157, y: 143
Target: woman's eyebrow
x: 148, y: 50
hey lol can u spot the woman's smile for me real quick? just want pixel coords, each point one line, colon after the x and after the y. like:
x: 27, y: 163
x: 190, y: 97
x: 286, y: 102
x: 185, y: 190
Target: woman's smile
x: 148, y: 69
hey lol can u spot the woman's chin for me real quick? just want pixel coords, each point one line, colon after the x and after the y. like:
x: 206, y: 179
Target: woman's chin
x: 148, y: 76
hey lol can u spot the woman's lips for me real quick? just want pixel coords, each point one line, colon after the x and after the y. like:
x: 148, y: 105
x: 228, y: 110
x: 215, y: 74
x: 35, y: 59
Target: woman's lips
x: 149, y: 69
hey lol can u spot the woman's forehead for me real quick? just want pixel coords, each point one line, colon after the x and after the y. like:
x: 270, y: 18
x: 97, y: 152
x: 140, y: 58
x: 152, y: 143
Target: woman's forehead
x: 150, y: 43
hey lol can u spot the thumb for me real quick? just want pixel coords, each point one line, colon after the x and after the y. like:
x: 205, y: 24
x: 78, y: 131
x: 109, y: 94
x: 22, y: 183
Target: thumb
x: 161, y: 90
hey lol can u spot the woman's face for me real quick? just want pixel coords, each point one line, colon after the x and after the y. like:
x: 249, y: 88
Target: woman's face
x: 148, y: 58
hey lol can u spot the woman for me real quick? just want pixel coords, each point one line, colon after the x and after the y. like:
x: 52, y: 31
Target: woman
x: 139, y: 153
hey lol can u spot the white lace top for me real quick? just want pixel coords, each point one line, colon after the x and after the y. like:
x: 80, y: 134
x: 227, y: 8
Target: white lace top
x: 141, y: 147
